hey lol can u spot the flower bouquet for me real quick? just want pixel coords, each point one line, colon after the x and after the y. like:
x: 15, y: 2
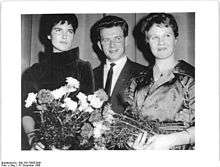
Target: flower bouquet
x: 132, y: 122
x: 120, y: 129
x: 68, y: 118
x: 125, y: 128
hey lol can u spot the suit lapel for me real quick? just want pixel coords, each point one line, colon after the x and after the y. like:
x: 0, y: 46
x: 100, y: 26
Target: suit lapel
x: 99, y: 77
x: 123, y: 78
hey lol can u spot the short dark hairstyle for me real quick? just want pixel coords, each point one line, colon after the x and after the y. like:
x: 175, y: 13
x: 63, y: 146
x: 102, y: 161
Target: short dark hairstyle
x: 47, y: 21
x: 109, y: 22
x: 159, y: 18
x: 50, y: 20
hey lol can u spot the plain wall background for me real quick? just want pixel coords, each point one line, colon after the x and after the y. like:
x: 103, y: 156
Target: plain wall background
x: 31, y: 45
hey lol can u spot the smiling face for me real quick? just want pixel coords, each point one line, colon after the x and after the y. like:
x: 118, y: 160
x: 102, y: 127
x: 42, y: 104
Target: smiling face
x: 61, y: 37
x: 161, y: 40
x: 113, y: 43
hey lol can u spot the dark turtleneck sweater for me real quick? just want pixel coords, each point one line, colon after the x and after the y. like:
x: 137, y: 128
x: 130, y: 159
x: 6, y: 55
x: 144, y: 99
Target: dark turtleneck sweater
x: 51, y: 73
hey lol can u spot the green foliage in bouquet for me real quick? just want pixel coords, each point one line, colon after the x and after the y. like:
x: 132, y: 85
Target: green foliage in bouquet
x: 117, y: 130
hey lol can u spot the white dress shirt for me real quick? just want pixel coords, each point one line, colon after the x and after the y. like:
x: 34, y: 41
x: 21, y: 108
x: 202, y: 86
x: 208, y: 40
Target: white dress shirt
x: 119, y: 64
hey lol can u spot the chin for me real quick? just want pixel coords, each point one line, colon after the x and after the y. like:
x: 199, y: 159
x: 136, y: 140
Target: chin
x: 162, y: 56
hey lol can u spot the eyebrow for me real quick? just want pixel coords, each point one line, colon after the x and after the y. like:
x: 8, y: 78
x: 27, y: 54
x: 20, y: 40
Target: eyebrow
x: 62, y: 28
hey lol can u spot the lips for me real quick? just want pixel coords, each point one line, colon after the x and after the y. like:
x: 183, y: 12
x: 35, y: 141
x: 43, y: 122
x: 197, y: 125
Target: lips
x: 63, y: 42
x: 161, y: 49
x: 113, y: 51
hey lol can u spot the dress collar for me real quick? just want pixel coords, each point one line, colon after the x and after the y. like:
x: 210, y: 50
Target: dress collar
x: 63, y: 58
x: 157, y: 73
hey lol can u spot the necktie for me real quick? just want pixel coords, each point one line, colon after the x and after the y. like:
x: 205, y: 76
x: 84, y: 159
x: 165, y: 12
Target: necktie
x: 108, y: 83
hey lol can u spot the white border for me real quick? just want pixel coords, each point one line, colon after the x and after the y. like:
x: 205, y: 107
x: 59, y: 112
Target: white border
x: 207, y: 74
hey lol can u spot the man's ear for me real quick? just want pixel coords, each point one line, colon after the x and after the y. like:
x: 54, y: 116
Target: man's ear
x: 49, y: 37
x: 126, y: 41
x: 176, y: 40
x: 99, y: 45
x: 146, y: 39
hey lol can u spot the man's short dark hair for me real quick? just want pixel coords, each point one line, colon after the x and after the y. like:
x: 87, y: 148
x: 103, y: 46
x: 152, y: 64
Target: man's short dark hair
x: 109, y: 22
x: 159, y: 18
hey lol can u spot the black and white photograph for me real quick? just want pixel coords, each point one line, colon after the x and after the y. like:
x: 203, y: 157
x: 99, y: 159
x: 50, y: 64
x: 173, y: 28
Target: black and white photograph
x: 87, y: 86
x: 142, y: 105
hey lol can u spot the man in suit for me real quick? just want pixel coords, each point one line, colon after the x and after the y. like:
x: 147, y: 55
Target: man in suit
x: 116, y: 72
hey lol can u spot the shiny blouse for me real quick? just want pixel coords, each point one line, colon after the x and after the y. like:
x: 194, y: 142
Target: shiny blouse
x: 170, y: 98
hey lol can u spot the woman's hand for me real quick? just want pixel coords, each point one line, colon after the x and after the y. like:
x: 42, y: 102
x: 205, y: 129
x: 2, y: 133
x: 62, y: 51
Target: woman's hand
x: 163, y: 141
x: 159, y: 142
x: 140, y: 142
x: 156, y: 142
x: 37, y: 146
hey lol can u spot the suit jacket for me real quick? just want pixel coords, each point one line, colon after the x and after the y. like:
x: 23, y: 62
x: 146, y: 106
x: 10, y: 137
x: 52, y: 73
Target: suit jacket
x: 130, y: 70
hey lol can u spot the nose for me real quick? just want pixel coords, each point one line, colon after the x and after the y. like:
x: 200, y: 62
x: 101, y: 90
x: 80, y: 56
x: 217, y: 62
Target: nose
x: 112, y: 43
x: 161, y: 41
x: 64, y: 35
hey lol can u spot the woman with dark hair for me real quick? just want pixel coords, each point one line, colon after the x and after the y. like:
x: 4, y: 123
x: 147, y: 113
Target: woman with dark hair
x: 61, y: 61
x: 165, y: 93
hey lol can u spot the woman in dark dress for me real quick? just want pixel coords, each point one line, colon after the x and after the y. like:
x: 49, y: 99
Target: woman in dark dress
x: 61, y: 60
x: 165, y: 93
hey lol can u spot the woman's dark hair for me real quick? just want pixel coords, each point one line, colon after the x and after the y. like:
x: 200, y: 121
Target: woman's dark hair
x: 108, y: 22
x: 159, y: 18
x: 47, y: 21
x: 50, y: 20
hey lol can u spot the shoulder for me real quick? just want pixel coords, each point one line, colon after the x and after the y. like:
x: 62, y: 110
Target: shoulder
x: 185, y: 73
x: 82, y: 63
x: 84, y: 70
x: 36, y: 69
x: 136, y: 65
x: 134, y: 69
x: 186, y: 69
x: 143, y: 76
x: 98, y: 69
x: 83, y: 66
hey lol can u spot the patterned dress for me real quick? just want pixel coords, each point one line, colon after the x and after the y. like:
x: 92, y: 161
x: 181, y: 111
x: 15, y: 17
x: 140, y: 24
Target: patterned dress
x: 168, y: 101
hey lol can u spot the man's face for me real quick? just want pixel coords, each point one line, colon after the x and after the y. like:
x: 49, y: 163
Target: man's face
x: 162, y: 41
x: 113, y: 43
x: 61, y: 37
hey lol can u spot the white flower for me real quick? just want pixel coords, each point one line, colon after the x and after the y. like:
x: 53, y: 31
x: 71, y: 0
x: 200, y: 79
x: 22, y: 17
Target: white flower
x: 58, y: 93
x: 81, y: 96
x: 109, y: 118
x: 95, y: 101
x: 70, y: 88
x: 72, y: 82
x: 99, y: 129
x: 89, y: 109
x: 70, y: 104
x: 30, y: 99
x: 83, y: 104
x: 108, y: 113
